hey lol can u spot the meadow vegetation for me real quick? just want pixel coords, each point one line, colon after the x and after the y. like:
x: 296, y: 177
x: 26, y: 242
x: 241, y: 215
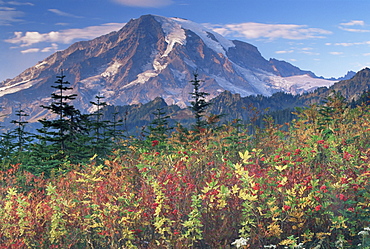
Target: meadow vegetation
x: 304, y: 184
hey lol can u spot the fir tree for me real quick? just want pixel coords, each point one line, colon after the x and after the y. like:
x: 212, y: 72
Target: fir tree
x: 66, y: 126
x: 22, y: 137
x: 14, y: 144
x: 115, y: 124
x: 98, y: 125
x: 7, y: 149
x: 159, y: 127
x: 63, y: 140
x: 332, y: 113
x: 102, y: 135
x: 364, y: 99
x: 199, y: 105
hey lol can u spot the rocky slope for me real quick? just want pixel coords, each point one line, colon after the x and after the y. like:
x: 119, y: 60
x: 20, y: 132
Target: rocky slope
x: 151, y: 57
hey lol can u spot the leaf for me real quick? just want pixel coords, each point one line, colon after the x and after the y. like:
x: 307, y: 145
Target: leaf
x: 206, y: 189
x: 50, y: 189
x: 284, y: 180
x: 281, y: 168
x: 224, y: 190
x: 245, y: 196
x: 212, y: 184
x: 235, y: 189
x: 95, y: 225
x: 245, y: 156
x: 12, y: 192
x: 93, y: 157
x: 260, y: 211
x: 301, y: 190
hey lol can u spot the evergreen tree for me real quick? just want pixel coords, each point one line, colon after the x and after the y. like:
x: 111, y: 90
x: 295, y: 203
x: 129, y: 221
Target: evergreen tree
x: 7, y: 149
x: 63, y: 140
x: 159, y: 127
x: 199, y: 105
x: 364, y: 99
x: 14, y: 144
x: 332, y: 113
x: 22, y: 137
x: 98, y: 125
x: 115, y: 124
x: 102, y: 135
x: 67, y: 125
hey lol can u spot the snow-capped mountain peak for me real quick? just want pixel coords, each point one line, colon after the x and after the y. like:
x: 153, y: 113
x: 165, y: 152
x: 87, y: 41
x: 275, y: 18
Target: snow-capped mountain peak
x: 212, y: 39
x: 154, y: 56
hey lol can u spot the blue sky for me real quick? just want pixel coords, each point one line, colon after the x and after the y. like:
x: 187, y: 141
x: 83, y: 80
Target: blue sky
x: 328, y: 37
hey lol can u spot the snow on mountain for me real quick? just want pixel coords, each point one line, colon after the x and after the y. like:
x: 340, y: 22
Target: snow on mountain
x: 174, y: 33
x: 298, y: 84
x: 174, y: 30
x: 213, y: 40
x: 156, y: 56
x: 112, y: 69
x: 15, y: 87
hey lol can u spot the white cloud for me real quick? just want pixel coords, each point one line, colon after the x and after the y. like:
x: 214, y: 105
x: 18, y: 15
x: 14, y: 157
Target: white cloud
x: 348, y: 44
x: 9, y: 15
x: 62, y: 24
x: 61, y: 13
x: 345, y: 44
x: 284, y: 52
x: 27, y: 39
x: 20, y: 3
x: 353, y: 23
x: 309, y: 53
x: 336, y: 53
x: 53, y: 47
x: 64, y: 36
x: 366, y: 54
x: 344, y: 26
x: 30, y: 50
x: 355, y: 30
x: 253, y: 30
x: 144, y: 3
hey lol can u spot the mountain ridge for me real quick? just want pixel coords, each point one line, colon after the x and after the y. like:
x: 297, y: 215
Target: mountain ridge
x: 154, y: 56
x: 253, y: 108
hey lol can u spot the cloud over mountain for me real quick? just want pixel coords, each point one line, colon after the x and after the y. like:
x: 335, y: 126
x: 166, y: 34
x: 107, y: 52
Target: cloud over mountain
x: 252, y: 30
x: 25, y: 39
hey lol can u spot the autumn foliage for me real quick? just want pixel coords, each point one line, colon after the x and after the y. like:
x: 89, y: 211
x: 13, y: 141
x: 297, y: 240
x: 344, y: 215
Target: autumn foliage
x: 304, y: 184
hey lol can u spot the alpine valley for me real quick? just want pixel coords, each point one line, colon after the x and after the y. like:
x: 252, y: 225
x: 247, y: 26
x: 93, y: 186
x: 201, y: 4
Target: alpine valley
x: 151, y: 57
x: 160, y: 166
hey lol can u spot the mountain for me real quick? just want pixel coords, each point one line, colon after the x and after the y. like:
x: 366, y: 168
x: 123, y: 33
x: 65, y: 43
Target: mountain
x: 150, y: 57
x: 348, y: 76
x: 280, y: 103
x: 286, y: 69
x: 350, y: 89
x: 231, y: 106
